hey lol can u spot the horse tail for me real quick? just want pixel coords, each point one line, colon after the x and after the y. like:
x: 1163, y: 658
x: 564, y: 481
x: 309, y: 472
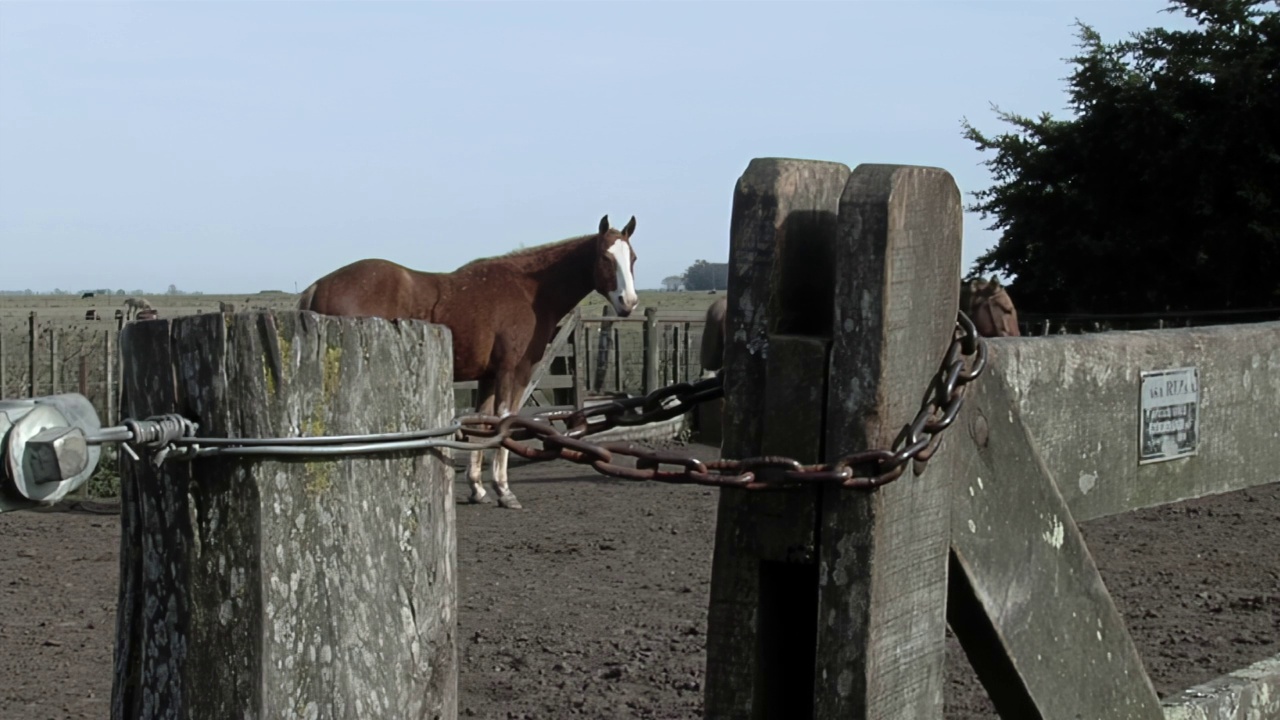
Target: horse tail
x: 304, y: 301
x: 713, y: 336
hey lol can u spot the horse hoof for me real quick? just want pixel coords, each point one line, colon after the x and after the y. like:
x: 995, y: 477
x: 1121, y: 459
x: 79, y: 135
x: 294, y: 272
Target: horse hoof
x: 509, y: 501
x: 478, y: 499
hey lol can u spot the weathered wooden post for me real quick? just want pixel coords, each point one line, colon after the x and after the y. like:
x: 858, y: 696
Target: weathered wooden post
x: 580, y: 357
x: 617, y: 360
x: 4, y: 374
x: 288, y: 586
x: 650, y: 377
x: 602, y: 348
x: 32, y: 337
x: 830, y: 603
x: 108, y: 373
x: 55, y: 365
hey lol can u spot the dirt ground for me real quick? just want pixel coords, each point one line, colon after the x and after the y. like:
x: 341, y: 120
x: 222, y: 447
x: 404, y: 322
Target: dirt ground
x: 592, y: 601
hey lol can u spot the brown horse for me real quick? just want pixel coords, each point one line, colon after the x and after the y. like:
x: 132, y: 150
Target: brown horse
x: 990, y: 308
x: 502, y: 312
x: 713, y: 337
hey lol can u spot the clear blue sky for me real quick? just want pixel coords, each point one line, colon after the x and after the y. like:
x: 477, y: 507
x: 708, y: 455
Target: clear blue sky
x: 240, y: 146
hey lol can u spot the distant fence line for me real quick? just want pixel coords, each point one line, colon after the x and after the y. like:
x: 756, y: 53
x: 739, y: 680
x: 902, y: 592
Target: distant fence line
x: 623, y: 356
x: 49, y: 359
x: 1076, y: 323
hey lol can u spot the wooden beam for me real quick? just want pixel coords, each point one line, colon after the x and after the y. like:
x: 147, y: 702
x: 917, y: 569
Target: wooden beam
x: 554, y: 350
x: 761, y: 625
x: 1026, y: 601
x: 1079, y: 396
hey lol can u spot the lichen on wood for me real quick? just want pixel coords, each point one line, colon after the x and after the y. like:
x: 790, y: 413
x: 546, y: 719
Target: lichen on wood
x: 327, y: 582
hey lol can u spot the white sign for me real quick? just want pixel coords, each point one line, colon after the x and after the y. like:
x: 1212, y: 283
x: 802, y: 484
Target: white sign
x: 1170, y: 415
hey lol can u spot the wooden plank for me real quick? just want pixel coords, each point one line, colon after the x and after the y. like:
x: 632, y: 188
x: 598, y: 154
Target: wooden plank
x: 1251, y: 693
x: 141, y: 650
x: 108, y: 373
x: 579, y: 350
x: 1027, y: 602
x: 651, y: 345
x: 882, y: 635
x: 554, y: 350
x: 1079, y: 397
x: 282, y: 587
x: 55, y: 362
x: 32, y: 337
x: 763, y: 565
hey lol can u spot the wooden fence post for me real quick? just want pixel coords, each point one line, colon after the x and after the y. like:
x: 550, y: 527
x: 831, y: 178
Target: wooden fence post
x: 650, y: 350
x: 617, y: 360
x: 677, y: 353
x: 288, y: 586
x: 580, y: 350
x: 4, y: 374
x: 55, y: 366
x: 830, y: 603
x: 32, y: 337
x: 108, y: 374
x: 602, y: 348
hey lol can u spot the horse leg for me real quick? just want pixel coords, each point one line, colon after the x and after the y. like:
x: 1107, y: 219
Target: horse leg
x: 510, y: 388
x: 475, y: 466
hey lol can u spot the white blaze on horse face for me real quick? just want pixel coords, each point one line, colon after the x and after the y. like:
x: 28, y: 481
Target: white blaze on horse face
x: 624, y: 296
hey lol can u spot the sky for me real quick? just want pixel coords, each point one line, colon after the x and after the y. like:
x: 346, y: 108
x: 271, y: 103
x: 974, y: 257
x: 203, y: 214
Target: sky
x: 233, y: 147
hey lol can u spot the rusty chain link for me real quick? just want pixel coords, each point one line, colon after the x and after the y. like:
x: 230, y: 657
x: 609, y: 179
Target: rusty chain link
x: 867, y: 469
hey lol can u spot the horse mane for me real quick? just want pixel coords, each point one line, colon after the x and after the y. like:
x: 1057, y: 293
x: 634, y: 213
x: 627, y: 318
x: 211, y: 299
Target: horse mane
x: 531, y: 251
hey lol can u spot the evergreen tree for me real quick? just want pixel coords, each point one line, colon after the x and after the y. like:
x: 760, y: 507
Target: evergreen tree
x: 1163, y: 192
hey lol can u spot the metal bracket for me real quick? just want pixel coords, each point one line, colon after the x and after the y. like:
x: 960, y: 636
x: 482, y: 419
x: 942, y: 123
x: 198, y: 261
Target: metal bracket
x: 44, y: 452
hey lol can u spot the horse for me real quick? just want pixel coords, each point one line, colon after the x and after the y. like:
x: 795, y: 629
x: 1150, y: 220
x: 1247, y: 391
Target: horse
x: 135, y: 305
x: 985, y: 302
x: 713, y: 337
x: 502, y: 312
x: 990, y: 307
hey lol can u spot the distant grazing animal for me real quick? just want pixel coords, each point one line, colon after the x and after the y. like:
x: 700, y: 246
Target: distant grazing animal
x: 135, y: 305
x: 226, y: 307
x: 502, y: 312
x: 86, y: 295
x: 990, y: 307
x: 92, y: 315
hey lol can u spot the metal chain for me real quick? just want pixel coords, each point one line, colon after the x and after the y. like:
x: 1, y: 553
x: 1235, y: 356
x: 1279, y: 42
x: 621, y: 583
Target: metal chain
x: 173, y: 437
x: 868, y: 469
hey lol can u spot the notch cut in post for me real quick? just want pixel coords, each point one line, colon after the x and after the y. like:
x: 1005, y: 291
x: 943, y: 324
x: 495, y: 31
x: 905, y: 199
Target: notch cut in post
x: 763, y: 610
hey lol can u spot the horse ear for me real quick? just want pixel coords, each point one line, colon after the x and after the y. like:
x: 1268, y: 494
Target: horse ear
x: 630, y: 228
x: 604, y: 224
